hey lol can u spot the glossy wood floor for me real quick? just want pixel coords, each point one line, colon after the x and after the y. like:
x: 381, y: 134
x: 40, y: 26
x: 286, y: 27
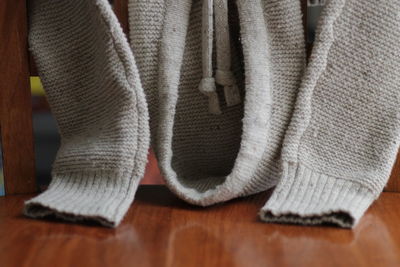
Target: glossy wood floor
x: 161, y: 230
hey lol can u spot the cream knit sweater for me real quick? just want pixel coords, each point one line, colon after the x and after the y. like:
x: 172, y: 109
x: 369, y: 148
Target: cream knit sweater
x: 231, y: 112
x: 344, y: 134
x: 94, y: 91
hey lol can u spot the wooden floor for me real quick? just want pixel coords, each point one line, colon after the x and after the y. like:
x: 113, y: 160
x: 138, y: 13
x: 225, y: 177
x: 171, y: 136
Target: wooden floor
x: 161, y: 230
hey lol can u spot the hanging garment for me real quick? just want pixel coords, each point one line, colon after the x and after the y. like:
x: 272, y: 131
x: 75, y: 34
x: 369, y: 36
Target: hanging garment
x: 210, y: 149
x: 209, y: 145
x: 94, y: 91
x: 229, y: 113
x: 344, y: 134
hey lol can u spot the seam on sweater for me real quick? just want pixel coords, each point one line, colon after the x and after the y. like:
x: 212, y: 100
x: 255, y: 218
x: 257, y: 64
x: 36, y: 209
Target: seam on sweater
x: 136, y: 152
x: 321, y: 72
x: 168, y: 105
x: 139, y: 140
x: 123, y: 63
x: 367, y: 186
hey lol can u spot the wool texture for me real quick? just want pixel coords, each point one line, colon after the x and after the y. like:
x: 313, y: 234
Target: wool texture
x: 288, y: 60
x: 344, y: 134
x: 94, y: 90
x: 222, y: 90
x: 207, y: 158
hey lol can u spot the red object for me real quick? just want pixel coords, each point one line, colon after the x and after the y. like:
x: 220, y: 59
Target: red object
x: 152, y: 174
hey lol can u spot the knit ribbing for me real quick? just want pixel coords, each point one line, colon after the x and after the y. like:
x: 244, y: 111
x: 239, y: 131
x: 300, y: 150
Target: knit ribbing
x: 101, y: 196
x: 343, y: 137
x: 94, y: 91
x: 304, y: 196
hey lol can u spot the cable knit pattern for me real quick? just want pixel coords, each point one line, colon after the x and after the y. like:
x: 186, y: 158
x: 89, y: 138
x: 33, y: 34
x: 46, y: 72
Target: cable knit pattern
x: 344, y: 135
x: 94, y: 90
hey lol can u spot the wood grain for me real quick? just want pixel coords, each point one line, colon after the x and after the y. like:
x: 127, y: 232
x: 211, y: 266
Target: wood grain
x: 394, y: 182
x: 152, y: 174
x: 32, y: 67
x: 121, y: 10
x: 160, y: 230
x: 15, y: 99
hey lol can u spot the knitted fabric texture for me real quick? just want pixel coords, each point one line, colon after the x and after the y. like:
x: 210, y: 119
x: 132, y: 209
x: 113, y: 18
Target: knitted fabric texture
x: 344, y: 135
x: 94, y: 91
x: 209, y: 158
x: 327, y: 137
x: 288, y: 60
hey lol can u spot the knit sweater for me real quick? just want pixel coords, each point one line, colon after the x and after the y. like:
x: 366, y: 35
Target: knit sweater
x: 207, y: 158
x: 344, y: 134
x: 231, y: 113
x: 94, y: 91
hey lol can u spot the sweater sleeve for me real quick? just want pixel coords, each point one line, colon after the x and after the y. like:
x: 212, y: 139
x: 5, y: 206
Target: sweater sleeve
x: 344, y: 135
x: 93, y: 88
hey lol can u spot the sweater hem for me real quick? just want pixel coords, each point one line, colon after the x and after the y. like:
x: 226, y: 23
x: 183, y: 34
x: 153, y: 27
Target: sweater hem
x: 307, y: 197
x: 101, y: 197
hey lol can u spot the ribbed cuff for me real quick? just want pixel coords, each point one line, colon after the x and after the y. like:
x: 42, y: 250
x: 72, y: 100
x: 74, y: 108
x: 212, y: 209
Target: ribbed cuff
x: 306, y: 197
x: 100, y: 196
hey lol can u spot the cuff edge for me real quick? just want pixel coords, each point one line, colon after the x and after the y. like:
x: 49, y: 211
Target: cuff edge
x: 334, y: 218
x: 101, y: 197
x: 37, y: 210
x: 308, y: 197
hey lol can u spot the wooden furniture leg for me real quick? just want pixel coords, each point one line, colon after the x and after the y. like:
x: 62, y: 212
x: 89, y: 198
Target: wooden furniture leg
x: 15, y: 99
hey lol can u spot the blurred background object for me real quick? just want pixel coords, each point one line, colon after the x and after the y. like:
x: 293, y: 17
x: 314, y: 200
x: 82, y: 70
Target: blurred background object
x: 313, y: 3
x: 47, y: 140
x: 313, y: 11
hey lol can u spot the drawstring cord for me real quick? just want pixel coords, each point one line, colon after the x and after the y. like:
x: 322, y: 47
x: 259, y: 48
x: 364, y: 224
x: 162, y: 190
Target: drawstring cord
x: 223, y: 75
x: 207, y: 84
